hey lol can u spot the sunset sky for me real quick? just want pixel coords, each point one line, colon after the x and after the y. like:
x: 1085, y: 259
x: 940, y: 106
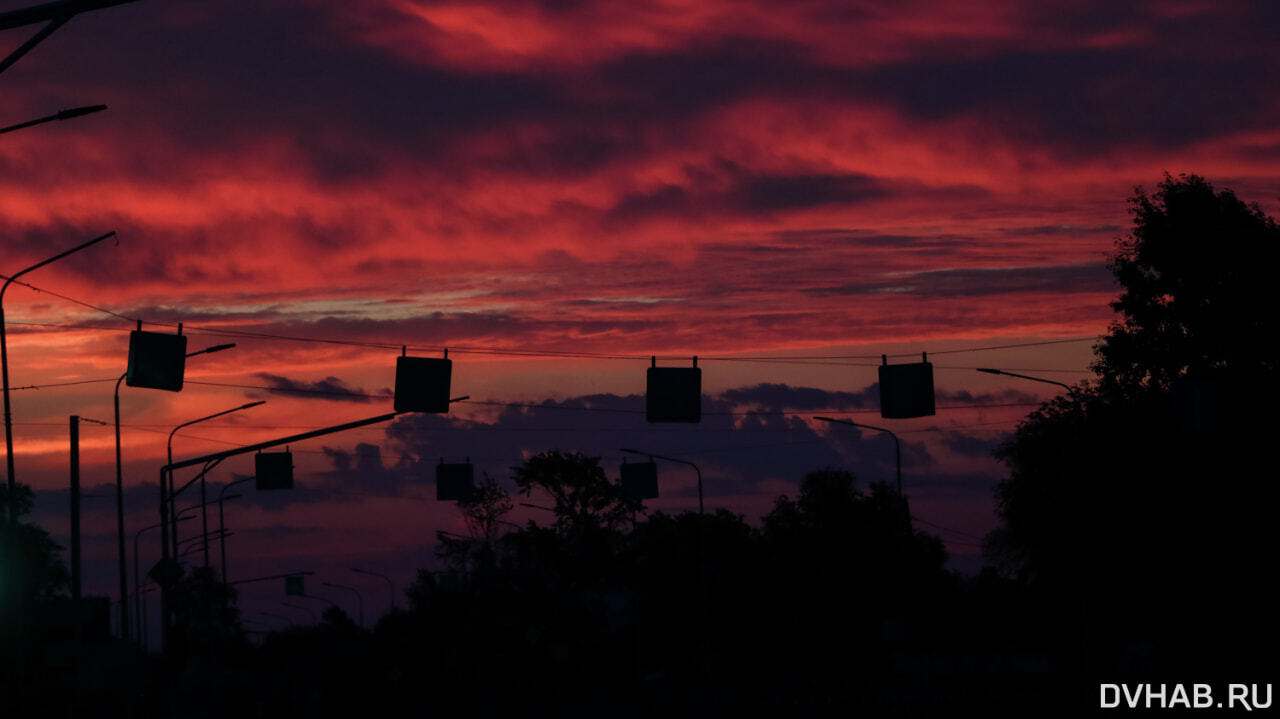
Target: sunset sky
x: 521, y: 181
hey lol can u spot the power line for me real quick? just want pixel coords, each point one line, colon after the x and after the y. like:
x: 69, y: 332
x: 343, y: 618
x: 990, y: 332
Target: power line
x: 610, y: 410
x: 531, y: 405
x: 62, y: 384
x: 947, y: 529
x: 544, y: 353
x: 73, y: 300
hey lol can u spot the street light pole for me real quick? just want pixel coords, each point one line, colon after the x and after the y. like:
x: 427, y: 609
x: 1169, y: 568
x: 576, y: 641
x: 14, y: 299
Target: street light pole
x: 222, y: 540
x: 1070, y: 390
x: 56, y: 14
x: 1081, y: 575
x: 4, y: 370
x: 897, y: 444
x: 137, y: 578
x: 906, y: 511
x: 359, y: 599
x: 124, y: 582
x: 60, y: 115
x: 166, y: 471
x: 205, y: 512
x: 308, y: 610
x: 680, y: 461
x: 287, y: 620
x: 195, y: 544
x: 703, y: 597
x: 390, y: 585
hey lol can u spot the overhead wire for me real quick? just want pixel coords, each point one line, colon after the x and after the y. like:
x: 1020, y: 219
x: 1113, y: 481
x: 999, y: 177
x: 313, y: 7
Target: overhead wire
x: 546, y: 353
x: 804, y: 360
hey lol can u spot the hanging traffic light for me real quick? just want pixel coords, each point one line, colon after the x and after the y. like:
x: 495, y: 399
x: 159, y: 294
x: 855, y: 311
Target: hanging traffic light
x: 673, y: 394
x: 422, y: 383
x: 455, y: 482
x: 156, y: 359
x: 273, y: 470
x: 295, y: 586
x: 639, y: 480
x: 906, y: 390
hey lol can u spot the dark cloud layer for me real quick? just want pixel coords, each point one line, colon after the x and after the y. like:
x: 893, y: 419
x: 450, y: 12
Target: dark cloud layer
x: 975, y: 282
x: 330, y: 388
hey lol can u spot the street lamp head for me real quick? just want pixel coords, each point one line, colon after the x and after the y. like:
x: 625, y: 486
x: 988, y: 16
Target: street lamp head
x: 251, y: 404
x: 824, y: 419
x: 79, y: 111
x: 211, y: 350
x: 631, y: 451
x: 989, y: 370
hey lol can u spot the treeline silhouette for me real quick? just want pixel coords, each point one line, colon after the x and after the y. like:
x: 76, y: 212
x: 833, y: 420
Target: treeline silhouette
x: 601, y: 605
x: 1140, y: 506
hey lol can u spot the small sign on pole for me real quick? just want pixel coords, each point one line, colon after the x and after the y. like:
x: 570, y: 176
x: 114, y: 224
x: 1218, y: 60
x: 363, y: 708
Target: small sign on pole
x: 455, y: 482
x: 639, y: 480
x: 422, y: 384
x: 274, y: 470
x: 673, y: 394
x: 294, y: 586
x: 906, y: 390
x: 166, y: 572
x: 156, y: 360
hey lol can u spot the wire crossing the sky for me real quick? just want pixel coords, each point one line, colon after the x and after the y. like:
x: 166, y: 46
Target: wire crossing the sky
x: 870, y: 360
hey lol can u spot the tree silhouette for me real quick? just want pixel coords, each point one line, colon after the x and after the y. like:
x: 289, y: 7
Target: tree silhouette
x: 31, y: 555
x: 1148, y: 531
x: 483, y: 511
x: 584, y: 499
x: 1197, y: 272
x: 855, y: 559
x: 206, y: 622
x: 485, y: 508
x: 30, y: 568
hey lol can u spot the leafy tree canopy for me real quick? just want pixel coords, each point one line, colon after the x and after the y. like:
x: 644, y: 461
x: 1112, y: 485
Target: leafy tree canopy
x: 30, y: 566
x: 1107, y: 488
x: 1197, y: 273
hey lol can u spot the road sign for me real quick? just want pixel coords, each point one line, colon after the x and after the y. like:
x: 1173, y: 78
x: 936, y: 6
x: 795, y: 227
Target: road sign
x: 274, y: 470
x: 673, y: 394
x: 455, y: 482
x: 165, y: 572
x: 422, y: 384
x: 640, y: 480
x: 156, y: 360
x: 906, y: 390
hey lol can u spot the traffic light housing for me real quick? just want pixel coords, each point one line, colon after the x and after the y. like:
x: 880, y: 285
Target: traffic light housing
x: 156, y: 360
x: 455, y: 482
x: 422, y: 384
x: 640, y: 480
x: 906, y: 390
x: 273, y: 470
x: 673, y: 394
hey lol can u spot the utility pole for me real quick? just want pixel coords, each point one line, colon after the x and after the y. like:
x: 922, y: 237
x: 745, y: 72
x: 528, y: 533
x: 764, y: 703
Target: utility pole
x: 76, y: 573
